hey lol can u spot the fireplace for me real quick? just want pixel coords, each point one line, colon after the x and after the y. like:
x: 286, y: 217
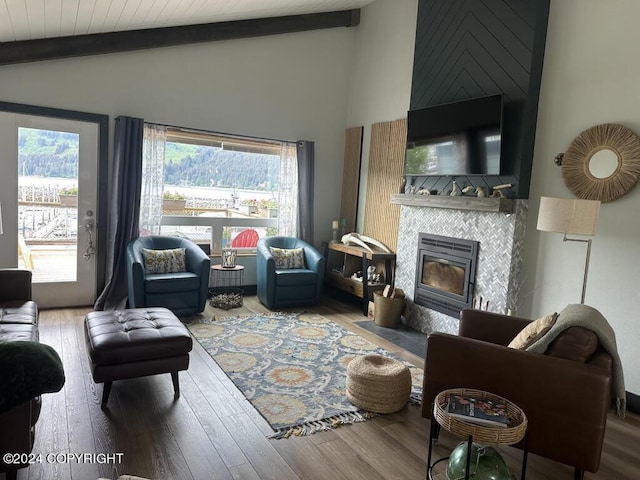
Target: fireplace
x: 445, y: 273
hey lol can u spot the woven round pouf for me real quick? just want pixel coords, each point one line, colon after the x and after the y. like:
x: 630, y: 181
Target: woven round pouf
x: 378, y: 384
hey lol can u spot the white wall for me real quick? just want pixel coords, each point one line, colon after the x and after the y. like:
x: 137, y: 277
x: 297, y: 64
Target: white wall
x: 380, y: 88
x: 288, y: 87
x: 591, y: 76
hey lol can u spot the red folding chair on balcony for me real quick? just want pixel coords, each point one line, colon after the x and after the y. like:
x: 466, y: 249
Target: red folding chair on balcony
x: 245, y: 239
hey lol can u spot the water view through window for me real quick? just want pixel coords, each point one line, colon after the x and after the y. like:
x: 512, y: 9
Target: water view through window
x: 47, y: 203
x: 232, y: 180
x: 235, y: 180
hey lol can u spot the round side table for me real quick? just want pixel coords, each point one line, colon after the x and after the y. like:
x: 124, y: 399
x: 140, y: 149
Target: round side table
x: 226, y: 286
x: 514, y: 432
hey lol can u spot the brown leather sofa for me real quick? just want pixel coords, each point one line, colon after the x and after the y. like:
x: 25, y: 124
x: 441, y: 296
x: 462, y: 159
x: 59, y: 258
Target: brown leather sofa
x: 566, y: 402
x: 18, y: 322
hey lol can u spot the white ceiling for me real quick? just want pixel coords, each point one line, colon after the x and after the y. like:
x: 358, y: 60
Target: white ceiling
x: 33, y: 19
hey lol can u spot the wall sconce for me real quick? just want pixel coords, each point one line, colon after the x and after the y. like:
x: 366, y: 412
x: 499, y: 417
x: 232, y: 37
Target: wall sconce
x: 570, y: 217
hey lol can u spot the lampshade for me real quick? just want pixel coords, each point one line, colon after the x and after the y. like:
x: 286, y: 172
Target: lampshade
x: 568, y: 215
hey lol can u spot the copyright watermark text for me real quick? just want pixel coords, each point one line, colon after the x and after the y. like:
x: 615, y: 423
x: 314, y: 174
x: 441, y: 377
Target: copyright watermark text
x: 31, y: 458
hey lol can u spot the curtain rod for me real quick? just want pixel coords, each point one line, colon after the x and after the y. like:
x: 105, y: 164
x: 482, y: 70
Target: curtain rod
x: 212, y: 132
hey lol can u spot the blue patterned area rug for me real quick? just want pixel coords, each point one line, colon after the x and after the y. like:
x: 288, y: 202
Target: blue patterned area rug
x: 292, y: 367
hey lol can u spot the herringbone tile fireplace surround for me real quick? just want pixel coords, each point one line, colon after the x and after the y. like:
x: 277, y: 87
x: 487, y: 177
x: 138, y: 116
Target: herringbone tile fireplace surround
x: 499, y: 275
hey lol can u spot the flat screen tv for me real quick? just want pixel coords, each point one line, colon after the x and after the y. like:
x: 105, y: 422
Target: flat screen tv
x: 460, y: 138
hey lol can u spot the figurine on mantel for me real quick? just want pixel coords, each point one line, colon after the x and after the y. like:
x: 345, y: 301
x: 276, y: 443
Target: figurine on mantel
x: 498, y: 190
x: 455, y: 191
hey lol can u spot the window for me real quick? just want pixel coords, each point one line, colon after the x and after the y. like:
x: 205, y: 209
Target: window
x: 223, y: 189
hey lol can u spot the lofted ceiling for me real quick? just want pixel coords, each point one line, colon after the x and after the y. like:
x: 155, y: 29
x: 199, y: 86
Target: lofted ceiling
x: 40, y: 19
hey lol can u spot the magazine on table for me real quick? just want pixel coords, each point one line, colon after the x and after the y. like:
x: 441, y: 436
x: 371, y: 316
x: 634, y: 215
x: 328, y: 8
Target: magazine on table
x: 476, y: 410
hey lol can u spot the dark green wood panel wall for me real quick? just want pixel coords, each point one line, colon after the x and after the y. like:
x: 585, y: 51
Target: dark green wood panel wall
x: 473, y: 48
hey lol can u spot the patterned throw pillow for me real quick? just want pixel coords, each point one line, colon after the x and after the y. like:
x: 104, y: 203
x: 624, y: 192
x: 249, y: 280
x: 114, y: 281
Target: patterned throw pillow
x: 533, y: 332
x: 170, y: 260
x: 287, y: 258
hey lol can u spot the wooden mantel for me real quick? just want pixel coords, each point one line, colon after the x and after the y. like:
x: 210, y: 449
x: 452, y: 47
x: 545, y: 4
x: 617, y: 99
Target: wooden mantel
x: 482, y: 204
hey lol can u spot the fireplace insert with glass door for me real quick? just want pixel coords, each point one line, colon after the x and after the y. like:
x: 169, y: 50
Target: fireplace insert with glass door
x: 445, y: 273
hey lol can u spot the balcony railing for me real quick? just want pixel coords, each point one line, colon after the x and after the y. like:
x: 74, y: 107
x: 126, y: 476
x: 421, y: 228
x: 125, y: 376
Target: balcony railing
x: 217, y: 225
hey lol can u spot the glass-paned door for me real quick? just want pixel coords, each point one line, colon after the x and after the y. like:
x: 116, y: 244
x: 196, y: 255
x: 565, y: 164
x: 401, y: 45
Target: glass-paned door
x: 55, y: 162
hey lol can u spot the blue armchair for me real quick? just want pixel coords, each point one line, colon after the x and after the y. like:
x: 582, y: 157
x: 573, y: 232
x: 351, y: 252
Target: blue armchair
x: 285, y: 287
x: 184, y: 293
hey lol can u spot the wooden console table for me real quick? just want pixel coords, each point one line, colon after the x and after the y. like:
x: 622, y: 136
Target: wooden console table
x: 342, y: 261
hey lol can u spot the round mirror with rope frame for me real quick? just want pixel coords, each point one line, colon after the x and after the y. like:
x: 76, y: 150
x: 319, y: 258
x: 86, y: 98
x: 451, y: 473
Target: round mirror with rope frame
x: 602, y: 163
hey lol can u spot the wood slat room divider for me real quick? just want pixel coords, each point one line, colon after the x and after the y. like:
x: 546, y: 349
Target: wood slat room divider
x: 386, y: 165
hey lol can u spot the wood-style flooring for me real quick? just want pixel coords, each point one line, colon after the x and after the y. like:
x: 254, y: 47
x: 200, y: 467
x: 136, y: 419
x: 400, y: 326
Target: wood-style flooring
x: 212, y: 432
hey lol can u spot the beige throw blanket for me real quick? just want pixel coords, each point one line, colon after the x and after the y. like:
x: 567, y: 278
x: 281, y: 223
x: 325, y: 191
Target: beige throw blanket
x: 578, y: 315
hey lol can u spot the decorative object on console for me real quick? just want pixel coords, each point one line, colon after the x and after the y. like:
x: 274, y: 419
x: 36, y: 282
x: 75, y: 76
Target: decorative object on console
x: 343, y: 226
x: 602, y: 163
x: 334, y: 230
x: 481, y: 192
x: 363, y: 241
x: 570, y: 216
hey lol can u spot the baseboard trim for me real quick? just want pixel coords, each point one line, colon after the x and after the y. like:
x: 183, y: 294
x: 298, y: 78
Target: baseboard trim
x: 633, y: 403
x: 250, y: 289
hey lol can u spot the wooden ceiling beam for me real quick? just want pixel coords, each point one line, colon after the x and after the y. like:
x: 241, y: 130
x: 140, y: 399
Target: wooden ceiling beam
x: 100, y: 43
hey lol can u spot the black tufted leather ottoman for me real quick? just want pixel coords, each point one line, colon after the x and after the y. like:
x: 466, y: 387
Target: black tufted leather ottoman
x: 135, y: 343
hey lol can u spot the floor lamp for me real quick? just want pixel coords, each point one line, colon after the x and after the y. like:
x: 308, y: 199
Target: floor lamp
x: 570, y: 217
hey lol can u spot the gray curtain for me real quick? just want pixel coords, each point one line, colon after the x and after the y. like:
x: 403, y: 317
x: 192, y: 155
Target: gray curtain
x: 123, y: 209
x: 305, y: 151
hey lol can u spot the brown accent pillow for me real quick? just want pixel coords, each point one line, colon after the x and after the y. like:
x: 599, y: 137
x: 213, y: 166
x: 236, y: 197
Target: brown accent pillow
x: 533, y: 332
x: 575, y: 343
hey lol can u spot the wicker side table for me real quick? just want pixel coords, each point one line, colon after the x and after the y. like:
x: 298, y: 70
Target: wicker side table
x: 514, y: 432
